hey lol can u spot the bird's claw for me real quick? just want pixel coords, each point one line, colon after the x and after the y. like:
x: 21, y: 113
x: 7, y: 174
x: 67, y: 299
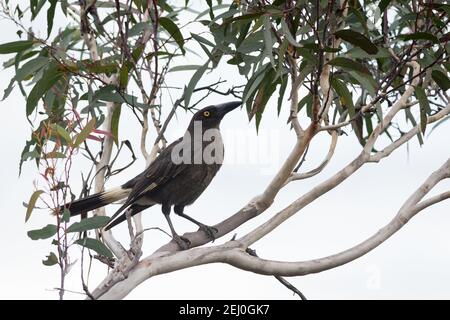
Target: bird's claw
x: 210, y: 231
x: 182, y: 242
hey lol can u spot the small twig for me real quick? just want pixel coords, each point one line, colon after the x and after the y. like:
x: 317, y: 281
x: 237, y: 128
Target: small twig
x: 283, y: 281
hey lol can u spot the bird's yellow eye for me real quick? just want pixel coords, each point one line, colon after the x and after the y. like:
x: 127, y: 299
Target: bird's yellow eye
x: 206, y: 113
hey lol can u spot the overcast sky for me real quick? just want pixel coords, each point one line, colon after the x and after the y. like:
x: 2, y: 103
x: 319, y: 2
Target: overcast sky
x: 414, y: 263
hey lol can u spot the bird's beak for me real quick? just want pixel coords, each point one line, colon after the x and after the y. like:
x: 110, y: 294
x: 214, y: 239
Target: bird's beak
x: 224, y: 108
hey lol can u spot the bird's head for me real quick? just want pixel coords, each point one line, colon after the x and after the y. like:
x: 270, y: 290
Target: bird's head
x: 211, y: 116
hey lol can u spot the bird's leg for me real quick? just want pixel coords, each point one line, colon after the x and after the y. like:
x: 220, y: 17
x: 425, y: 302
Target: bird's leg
x: 182, y: 242
x: 210, y: 231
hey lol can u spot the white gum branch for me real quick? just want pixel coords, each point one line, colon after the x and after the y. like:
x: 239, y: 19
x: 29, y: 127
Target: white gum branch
x: 233, y: 252
x: 108, y: 143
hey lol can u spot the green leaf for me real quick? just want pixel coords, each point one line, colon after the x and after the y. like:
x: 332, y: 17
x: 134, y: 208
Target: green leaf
x: 284, y: 82
x: 31, y: 67
x: 115, y: 123
x: 360, y: 17
x: 253, y: 82
x: 410, y: 117
x: 95, y: 245
x: 193, y: 82
x: 123, y: 76
x: 200, y: 39
x: 98, y: 67
x: 54, y: 155
x: 138, y: 28
x: 349, y: 64
x: 288, y: 34
x: 211, y: 11
x: 50, y: 16
x: 50, y: 77
x: 441, y: 79
x: 36, y: 6
x: 47, y: 232
x: 383, y: 5
x: 344, y: 94
x: 32, y: 203
x: 51, y: 260
x: 265, y: 91
x: 173, y: 30
x: 65, y: 215
x: 186, y: 67
x: 216, y: 7
x: 359, y: 53
x: 95, y: 222
x: 366, y: 81
x: 419, y: 36
x: 357, y: 39
x: 424, y: 107
x: 82, y: 136
x: 16, y: 46
x: 268, y: 39
x: 63, y: 134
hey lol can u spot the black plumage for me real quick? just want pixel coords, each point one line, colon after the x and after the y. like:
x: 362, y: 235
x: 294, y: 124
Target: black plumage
x: 177, y: 177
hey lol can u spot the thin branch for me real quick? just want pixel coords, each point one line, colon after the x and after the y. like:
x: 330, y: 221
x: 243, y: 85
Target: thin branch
x: 315, y: 171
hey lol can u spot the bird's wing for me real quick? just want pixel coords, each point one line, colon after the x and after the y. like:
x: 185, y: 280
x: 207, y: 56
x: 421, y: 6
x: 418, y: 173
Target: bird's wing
x: 155, y: 176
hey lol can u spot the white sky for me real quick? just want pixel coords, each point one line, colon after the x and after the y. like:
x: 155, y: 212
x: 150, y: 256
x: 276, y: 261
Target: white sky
x: 414, y: 263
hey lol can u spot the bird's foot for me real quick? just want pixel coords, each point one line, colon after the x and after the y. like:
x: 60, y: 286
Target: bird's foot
x: 182, y: 242
x: 210, y: 231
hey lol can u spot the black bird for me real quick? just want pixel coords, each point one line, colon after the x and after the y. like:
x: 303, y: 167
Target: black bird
x: 177, y: 177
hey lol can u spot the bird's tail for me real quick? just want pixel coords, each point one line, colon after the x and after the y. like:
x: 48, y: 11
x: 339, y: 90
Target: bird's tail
x: 95, y: 201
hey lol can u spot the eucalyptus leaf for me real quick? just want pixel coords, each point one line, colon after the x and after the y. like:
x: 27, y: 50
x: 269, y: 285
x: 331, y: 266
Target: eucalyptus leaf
x: 95, y: 222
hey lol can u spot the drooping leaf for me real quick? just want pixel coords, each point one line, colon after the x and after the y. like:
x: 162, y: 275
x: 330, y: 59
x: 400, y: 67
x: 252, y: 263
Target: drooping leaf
x: 47, y: 232
x: 82, y: 136
x: 30, y: 67
x: 424, y: 107
x: 186, y: 67
x: 383, y: 5
x: 284, y: 82
x: 265, y: 91
x: 138, y: 28
x: 347, y: 63
x: 441, y: 79
x: 50, y: 16
x: 365, y: 80
x: 216, y: 7
x: 115, y: 123
x: 36, y: 6
x: 419, y: 36
x: 95, y: 245
x: 63, y: 134
x: 31, y: 203
x: 124, y: 76
x: 357, y: 39
x: 288, y: 34
x: 193, y: 82
x: 95, y: 222
x: 344, y: 95
x: 16, y: 46
x: 254, y: 82
x: 410, y: 117
x: 174, y: 32
x: 50, y: 77
x: 268, y: 39
x: 200, y: 39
